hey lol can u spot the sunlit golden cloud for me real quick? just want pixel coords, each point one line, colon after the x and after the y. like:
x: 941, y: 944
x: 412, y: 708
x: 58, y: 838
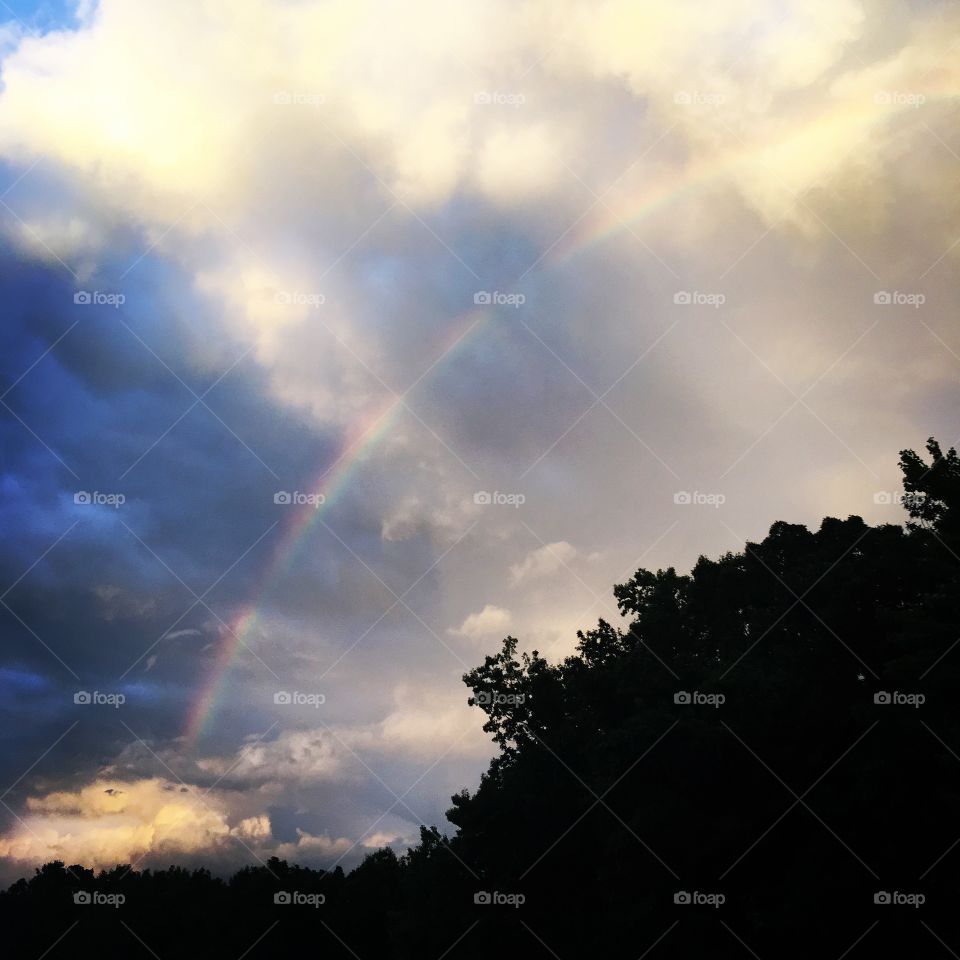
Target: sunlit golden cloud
x: 112, y: 821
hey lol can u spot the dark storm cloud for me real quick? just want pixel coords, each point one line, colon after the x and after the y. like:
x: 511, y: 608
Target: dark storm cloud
x: 105, y: 609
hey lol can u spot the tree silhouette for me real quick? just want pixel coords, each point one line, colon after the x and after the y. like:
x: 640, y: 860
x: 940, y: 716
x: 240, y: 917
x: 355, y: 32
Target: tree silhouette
x: 764, y: 754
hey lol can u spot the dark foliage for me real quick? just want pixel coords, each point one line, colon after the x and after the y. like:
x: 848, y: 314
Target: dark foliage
x: 783, y: 785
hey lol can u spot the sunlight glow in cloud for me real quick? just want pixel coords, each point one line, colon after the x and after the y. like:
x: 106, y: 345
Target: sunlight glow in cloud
x: 110, y: 822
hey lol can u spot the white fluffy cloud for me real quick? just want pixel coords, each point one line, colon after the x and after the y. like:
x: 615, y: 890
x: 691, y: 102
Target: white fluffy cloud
x: 114, y: 821
x: 277, y: 110
x: 424, y: 724
x: 484, y: 623
x: 108, y: 822
x: 546, y: 561
x: 295, y: 756
x: 427, y: 96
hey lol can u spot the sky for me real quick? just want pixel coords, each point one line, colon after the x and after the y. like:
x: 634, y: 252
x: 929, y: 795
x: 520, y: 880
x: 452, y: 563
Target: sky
x: 342, y: 339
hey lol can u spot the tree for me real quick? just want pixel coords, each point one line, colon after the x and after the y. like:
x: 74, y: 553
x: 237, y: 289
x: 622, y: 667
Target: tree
x: 776, y: 728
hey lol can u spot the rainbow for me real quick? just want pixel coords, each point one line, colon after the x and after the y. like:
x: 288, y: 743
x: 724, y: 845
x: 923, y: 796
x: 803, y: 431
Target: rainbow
x: 666, y: 190
x: 330, y: 485
x: 830, y: 127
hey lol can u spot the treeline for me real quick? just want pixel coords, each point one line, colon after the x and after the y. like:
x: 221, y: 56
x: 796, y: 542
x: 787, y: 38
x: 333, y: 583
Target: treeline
x: 765, y: 761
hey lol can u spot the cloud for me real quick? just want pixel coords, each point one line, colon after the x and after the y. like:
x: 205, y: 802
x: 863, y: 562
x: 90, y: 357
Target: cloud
x: 207, y: 166
x: 296, y: 755
x: 546, y: 561
x: 490, y: 620
x: 381, y: 839
x: 309, y: 848
x: 148, y: 822
x: 444, y: 519
x: 520, y: 163
x: 423, y: 725
x: 408, y: 94
x: 109, y: 822
x: 426, y: 723
x: 117, y: 602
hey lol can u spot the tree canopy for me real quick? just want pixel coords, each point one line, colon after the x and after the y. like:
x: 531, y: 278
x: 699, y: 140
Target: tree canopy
x: 764, y: 758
